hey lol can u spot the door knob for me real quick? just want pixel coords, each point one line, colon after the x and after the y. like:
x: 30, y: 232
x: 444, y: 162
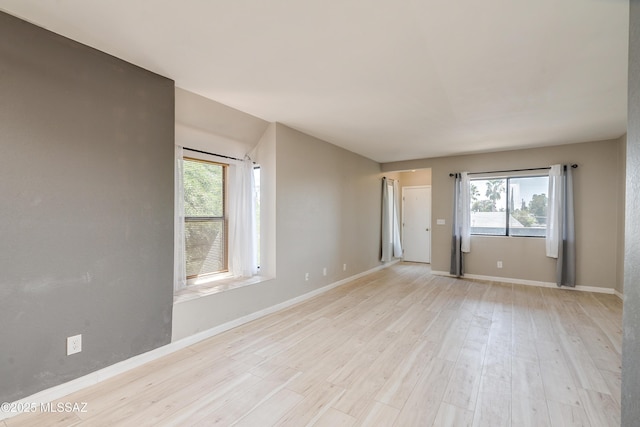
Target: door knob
x: 427, y: 229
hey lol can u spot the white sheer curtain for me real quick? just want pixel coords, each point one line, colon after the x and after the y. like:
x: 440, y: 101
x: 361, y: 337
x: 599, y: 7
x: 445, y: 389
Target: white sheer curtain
x: 554, y: 208
x: 561, y: 237
x: 179, y: 260
x: 397, y: 243
x: 391, y: 245
x: 461, y: 226
x: 242, y: 224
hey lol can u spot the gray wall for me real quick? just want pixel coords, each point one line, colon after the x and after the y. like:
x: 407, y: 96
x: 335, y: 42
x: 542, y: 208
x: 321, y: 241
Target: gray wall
x: 597, y: 193
x: 86, y: 218
x: 328, y: 203
x: 622, y: 176
x: 207, y: 125
x: 329, y: 210
x: 419, y: 177
x: 631, y: 307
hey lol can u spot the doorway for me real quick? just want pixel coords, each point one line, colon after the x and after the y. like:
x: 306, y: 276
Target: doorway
x: 416, y: 223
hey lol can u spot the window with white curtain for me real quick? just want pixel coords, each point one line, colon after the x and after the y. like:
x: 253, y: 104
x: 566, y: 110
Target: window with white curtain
x: 217, y: 223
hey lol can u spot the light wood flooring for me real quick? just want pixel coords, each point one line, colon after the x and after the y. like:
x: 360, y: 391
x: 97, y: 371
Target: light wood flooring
x: 399, y: 347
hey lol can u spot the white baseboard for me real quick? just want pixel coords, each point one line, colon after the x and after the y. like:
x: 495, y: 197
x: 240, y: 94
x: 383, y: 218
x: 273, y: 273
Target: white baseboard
x: 531, y: 283
x: 618, y: 294
x: 59, y: 391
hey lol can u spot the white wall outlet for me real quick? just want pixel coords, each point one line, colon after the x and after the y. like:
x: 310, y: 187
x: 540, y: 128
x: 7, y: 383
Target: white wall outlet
x: 499, y: 264
x: 324, y: 271
x: 344, y: 267
x: 74, y: 344
x: 440, y: 222
x: 306, y: 277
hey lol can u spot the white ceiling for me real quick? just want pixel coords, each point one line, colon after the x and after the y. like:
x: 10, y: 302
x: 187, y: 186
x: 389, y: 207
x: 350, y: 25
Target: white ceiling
x: 388, y: 79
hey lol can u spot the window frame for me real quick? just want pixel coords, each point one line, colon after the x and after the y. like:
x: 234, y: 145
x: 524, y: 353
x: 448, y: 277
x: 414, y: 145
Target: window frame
x: 191, y: 279
x: 507, y: 211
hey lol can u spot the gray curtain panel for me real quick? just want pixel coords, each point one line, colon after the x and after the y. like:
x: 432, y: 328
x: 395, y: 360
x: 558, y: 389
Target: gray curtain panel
x: 566, y: 263
x: 457, y: 264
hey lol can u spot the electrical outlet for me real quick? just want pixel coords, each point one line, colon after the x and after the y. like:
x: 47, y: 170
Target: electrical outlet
x: 324, y: 271
x: 344, y: 267
x: 306, y: 277
x: 74, y: 344
x: 499, y: 264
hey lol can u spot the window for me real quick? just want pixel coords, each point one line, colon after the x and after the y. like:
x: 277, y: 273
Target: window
x: 512, y: 206
x: 205, y: 217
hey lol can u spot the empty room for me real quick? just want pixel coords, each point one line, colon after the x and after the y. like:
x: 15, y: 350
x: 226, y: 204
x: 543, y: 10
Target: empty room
x: 275, y: 213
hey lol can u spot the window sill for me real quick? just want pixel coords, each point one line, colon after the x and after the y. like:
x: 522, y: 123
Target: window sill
x: 510, y: 236
x: 215, y: 286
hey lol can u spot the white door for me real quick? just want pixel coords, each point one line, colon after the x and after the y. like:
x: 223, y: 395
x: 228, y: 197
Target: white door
x: 416, y: 223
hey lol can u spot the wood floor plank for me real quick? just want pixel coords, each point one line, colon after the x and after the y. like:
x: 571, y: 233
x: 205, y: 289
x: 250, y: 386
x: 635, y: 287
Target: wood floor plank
x: 602, y: 351
x: 361, y: 361
x: 402, y: 381
x: 421, y: 408
x: 278, y: 341
x: 378, y: 414
x: 115, y: 402
x: 161, y: 404
x: 558, y: 383
x: 492, y: 411
x: 453, y: 338
x: 117, y: 388
x: 335, y: 418
x: 364, y: 385
x: 271, y: 410
x: 530, y: 412
x: 319, y: 400
x: 601, y: 409
x: 612, y: 330
x: 305, y: 354
x: 526, y: 380
x: 610, y: 307
x: 235, y: 409
x: 562, y: 415
x: 211, y: 400
x: 357, y: 400
x: 601, y: 306
x: 272, y: 371
x: 614, y: 381
x: 422, y: 291
x: 464, y: 384
x: 450, y: 415
x: 343, y: 351
x: 398, y: 347
x: 497, y: 360
x: 42, y: 419
x: 585, y: 372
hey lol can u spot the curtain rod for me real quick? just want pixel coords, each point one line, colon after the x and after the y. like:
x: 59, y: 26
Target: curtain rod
x: 212, y: 154
x: 574, y: 166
